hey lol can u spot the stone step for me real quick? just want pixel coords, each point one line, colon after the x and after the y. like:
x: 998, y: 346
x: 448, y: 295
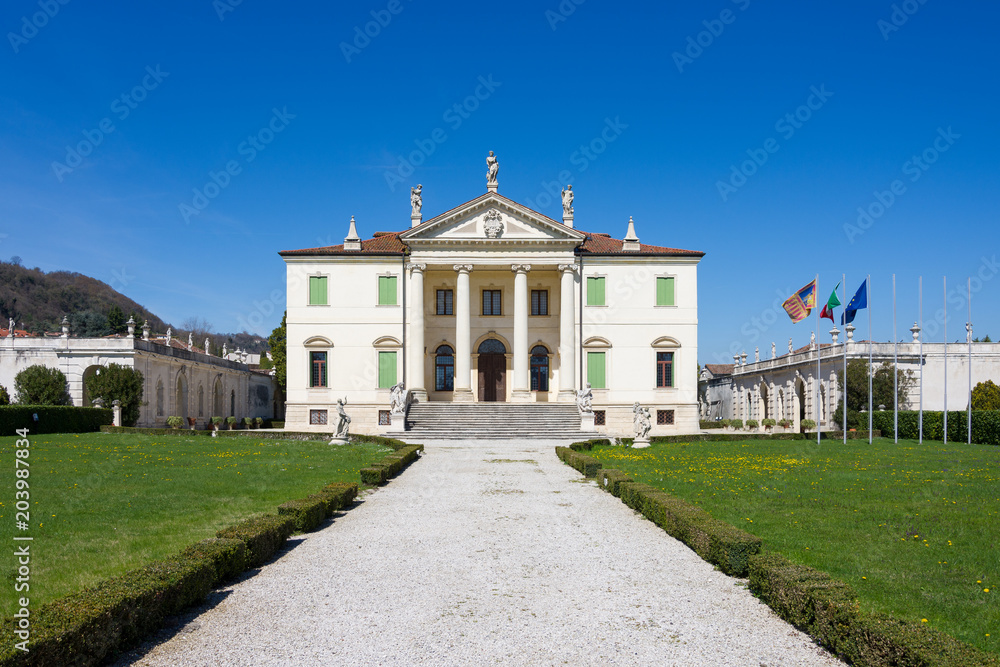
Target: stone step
x: 494, y: 420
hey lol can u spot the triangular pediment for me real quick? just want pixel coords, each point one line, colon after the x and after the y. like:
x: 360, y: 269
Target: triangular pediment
x: 491, y: 218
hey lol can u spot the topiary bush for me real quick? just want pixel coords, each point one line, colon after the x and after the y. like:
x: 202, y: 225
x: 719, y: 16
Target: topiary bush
x: 263, y: 535
x: 41, y: 385
x: 751, y: 424
x: 808, y: 424
x: 174, y: 421
x: 768, y: 423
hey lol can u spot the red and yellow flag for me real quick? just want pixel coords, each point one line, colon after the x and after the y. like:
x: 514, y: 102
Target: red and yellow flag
x: 799, y: 305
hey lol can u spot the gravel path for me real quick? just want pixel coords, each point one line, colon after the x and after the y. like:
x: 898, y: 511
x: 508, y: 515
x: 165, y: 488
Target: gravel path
x: 485, y: 553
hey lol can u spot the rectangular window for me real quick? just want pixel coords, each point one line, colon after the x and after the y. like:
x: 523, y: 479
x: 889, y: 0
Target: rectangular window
x: 317, y: 417
x: 384, y: 418
x: 445, y: 302
x: 664, y: 369
x: 595, y: 291
x: 317, y: 362
x: 386, y: 370
x: 664, y: 291
x: 595, y: 370
x: 317, y: 291
x: 491, y: 302
x: 539, y: 302
x: 664, y: 417
x: 600, y: 418
x: 387, y: 290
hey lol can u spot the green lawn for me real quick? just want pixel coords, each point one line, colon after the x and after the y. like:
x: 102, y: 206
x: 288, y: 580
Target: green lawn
x: 915, y: 529
x: 105, y: 503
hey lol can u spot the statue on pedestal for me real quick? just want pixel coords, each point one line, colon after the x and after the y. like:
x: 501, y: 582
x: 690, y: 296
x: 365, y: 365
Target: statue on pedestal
x: 492, y: 169
x: 416, y: 200
x: 641, y: 422
x: 790, y: 350
x: 584, y: 399
x: 774, y: 353
x: 756, y: 354
x: 397, y: 399
x: 343, y: 421
x: 567, y: 201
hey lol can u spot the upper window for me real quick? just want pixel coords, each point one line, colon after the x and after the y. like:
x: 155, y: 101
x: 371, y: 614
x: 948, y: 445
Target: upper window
x: 317, y: 364
x: 596, y: 370
x: 664, y: 291
x: 444, y: 369
x: 386, y: 370
x: 387, y: 290
x: 445, y: 302
x: 539, y: 302
x: 595, y: 291
x: 664, y: 369
x: 492, y: 302
x: 317, y: 291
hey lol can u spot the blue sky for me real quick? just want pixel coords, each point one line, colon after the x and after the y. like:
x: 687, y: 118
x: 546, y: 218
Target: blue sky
x: 820, y: 110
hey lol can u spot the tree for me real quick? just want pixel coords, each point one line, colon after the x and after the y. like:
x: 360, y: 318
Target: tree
x: 40, y: 385
x: 117, y: 382
x: 277, y: 341
x: 116, y: 320
x: 882, y: 390
x: 89, y: 324
x: 986, y: 396
x: 4, y: 396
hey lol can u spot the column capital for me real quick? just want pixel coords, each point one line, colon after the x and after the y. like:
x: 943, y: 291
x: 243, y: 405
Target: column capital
x: 520, y: 268
x: 568, y: 268
x: 416, y: 267
x: 463, y: 268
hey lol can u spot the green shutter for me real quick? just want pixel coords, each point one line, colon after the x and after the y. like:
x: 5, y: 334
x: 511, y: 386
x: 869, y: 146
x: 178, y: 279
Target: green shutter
x: 386, y: 370
x: 595, y: 291
x: 317, y: 290
x: 664, y: 291
x: 387, y: 291
x: 595, y: 370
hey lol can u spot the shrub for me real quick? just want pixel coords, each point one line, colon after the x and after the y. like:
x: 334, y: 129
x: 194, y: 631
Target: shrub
x: 263, y: 536
x: 52, y: 419
x: 768, y: 423
x: 228, y: 556
x: 258, y: 422
x: 307, y: 512
x: 4, y: 396
x: 986, y: 396
x: 217, y: 421
x: 710, y: 424
x: 585, y: 464
x: 248, y: 422
x: 808, y: 424
x: 785, y: 423
x: 751, y: 424
x: 611, y: 480
x: 724, y: 423
x: 40, y: 385
x: 174, y: 421
x: 231, y: 421
x: 121, y: 383
x: 736, y: 423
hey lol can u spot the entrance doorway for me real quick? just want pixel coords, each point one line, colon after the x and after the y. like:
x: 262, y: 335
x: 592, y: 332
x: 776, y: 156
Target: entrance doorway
x: 492, y: 371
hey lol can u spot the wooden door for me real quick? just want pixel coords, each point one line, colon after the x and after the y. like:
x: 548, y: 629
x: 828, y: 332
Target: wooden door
x: 492, y: 377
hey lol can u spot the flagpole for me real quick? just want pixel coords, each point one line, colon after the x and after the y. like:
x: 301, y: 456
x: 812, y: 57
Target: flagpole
x: 945, y: 418
x: 868, y: 288
x: 968, y: 427
x: 819, y: 367
x: 844, y: 276
x: 921, y: 351
x: 895, y: 365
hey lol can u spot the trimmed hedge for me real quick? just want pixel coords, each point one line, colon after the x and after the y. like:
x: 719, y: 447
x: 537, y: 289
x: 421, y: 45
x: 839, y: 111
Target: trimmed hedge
x: 828, y: 610
x: 985, y: 425
x: 52, y: 419
x: 715, y: 541
x: 711, y: 424
x: 390, y: 465
x: 585, y: 464
x: 263, y: 536
x: 308, y: 513
x: 611, y: 479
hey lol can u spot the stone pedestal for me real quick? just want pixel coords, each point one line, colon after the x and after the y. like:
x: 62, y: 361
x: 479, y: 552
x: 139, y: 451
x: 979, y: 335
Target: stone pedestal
x: 338, y: 441
x: 640, y: 443
x: 397, y: 423
x: 116, y: 411
x: 587, y: 422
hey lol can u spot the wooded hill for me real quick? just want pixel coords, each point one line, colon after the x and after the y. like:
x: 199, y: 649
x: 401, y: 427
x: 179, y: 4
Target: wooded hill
x: 38, y: 301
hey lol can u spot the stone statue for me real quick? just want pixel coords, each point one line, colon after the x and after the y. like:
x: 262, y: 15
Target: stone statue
x: 397, y: 399
x: 641, y: 422
x: 584, y: 399
x: 968, y: 332
x: 416, y: 200
x: 567, y: 201
x: 493, y: 167
x: 790, y: 350
x: 10, y: 327
x: 206, y: 346
x: 225, y: 350
x: 774, y: 353
x: 170, y: 334
x: 812, y: 339
x: 343, y: 421
x: 190, y: 341
x: 756, y: 354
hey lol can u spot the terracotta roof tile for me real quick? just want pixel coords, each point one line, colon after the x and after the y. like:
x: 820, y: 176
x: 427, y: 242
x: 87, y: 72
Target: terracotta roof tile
x: 384, y: 243
x: 720, y: 369
x: 603, y: 244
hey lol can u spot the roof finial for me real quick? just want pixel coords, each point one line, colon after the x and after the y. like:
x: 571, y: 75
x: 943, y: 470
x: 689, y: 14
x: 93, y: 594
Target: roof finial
x: 631, y: 241
x: 352, y: 241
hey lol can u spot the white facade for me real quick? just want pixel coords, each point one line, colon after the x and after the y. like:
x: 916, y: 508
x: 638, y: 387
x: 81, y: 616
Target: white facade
x: 177, y: 381
x: 489, y: 302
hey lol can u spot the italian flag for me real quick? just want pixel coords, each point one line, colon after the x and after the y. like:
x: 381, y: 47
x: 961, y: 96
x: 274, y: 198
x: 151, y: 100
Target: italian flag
x: 831, y: 303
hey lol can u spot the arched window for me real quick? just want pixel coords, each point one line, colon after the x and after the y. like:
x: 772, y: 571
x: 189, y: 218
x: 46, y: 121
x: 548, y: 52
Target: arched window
x: 444, y: 369
x: 159, y: 398
x: 539, y: 368
x: 232, y: 403
x: 217, y: 398
x: 492, y: 346
x: 201, y: 401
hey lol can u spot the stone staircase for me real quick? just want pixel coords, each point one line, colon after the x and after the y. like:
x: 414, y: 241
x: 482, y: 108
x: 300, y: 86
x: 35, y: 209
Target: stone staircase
x: 494, y: 421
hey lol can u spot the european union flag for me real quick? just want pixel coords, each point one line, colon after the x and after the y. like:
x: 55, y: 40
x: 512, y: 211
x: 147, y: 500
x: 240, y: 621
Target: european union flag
x: 858, y: 302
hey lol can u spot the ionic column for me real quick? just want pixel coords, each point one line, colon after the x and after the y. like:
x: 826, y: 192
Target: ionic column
x: 567, y: 334
x: 521, y: 390
x: 415, y: 341
x: 463, y: 337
